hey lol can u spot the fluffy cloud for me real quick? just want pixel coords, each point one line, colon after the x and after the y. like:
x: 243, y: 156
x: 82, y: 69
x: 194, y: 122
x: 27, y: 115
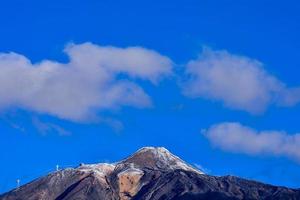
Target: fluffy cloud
x: 235, y: 137
x: 95, y: 78
x: 239, y: 82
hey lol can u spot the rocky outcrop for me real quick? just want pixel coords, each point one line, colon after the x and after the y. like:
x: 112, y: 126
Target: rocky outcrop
x: 149, y: 174
x: 129, y: 183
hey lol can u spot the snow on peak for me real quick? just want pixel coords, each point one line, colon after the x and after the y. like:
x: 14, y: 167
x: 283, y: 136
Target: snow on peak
x: 147, y: 157
x: 158, y: 157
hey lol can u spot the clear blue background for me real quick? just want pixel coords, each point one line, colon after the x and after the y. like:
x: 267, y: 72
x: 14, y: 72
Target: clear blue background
x: 262, y: 29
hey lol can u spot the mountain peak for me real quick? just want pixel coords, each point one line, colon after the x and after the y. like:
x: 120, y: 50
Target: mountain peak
x: 158, y: 158
x: 150, y: 173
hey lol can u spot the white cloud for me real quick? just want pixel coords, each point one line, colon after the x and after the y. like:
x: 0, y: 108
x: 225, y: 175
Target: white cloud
x: 89, y: 82
x: 234, y: 137
x: 237, y: 81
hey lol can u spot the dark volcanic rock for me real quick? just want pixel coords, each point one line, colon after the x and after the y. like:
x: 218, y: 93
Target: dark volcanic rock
x: 149, y: 174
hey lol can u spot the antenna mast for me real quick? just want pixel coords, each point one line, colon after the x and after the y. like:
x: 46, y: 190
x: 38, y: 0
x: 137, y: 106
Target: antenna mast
x: 18, y: 183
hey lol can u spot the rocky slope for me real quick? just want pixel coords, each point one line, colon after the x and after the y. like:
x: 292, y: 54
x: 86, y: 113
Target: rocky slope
x: 149, y: 174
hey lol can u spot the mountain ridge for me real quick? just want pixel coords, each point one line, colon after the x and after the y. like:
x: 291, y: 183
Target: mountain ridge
x: 151, y: 173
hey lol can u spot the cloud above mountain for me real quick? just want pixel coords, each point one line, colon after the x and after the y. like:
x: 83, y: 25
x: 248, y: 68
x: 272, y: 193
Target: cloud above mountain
x: 100, y: 78
x: 95, y: 78
x: 234, y: 137
x: 239, y: 82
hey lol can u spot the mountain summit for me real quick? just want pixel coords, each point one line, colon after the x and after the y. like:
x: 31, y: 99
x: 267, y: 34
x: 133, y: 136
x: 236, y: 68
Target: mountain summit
x: 149, y: 174
x: 158, y: 158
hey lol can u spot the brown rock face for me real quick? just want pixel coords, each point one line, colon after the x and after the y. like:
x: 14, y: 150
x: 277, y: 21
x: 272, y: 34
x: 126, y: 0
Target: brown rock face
x: 149, y: 174
x: 129, y: 183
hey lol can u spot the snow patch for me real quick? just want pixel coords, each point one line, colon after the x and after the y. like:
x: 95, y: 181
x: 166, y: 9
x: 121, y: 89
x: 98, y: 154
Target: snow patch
x: 101, y: 170
x: 166, y: 159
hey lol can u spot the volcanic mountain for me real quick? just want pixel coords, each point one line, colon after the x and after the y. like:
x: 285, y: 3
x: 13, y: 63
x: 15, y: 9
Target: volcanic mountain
x: 149, y: 174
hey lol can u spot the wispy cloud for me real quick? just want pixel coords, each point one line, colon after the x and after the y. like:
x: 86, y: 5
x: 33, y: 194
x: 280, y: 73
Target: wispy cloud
x: 45, y: 128
x: 234, y: 137
x: 88, y: 83
x: 237, y: 81
x: 202, y: 169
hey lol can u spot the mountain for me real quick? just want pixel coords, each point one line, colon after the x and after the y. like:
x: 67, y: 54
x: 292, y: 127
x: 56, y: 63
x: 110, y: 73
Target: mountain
x: 149, y: 174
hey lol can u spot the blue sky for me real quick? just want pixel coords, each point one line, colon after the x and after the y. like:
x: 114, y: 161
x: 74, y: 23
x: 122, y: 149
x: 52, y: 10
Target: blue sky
x: 215, y: 82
